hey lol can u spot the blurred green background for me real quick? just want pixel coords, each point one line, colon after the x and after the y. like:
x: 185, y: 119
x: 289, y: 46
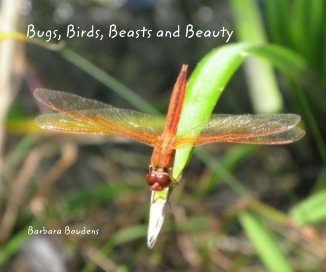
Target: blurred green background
x: 237, y: 207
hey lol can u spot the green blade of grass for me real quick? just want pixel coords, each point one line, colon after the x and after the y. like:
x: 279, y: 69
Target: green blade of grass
x: 204, y: 88
x: 315, y: 26
x: 277, y: 16
x: 211, y: 76
x: 247, y: 21
x: 265, y: 244
x: 298, y: 22
x: 287, y: 61
x: 22, y: 37
x: 311, y: 210
x: 263, y: 88
x: 13, y: 245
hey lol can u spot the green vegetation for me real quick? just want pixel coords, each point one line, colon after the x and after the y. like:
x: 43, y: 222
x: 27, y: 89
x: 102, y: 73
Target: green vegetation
x: 236, y: 207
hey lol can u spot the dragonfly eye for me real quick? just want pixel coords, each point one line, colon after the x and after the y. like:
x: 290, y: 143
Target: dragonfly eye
x: 164, y: 179
x: 151, y: 178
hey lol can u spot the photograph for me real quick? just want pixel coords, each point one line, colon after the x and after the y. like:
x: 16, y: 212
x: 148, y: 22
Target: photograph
x: 161, y: 135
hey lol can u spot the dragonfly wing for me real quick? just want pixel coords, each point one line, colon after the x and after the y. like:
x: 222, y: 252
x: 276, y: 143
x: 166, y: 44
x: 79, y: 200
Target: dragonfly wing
x: 82, y: 115
x: 248, y: 128
x: 64, y: 123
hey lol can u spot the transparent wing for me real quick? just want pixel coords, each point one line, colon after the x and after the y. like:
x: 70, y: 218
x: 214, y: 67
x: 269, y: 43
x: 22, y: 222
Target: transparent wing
x: 85, y: 116
x: 249, y: 129
x: 80, y: 115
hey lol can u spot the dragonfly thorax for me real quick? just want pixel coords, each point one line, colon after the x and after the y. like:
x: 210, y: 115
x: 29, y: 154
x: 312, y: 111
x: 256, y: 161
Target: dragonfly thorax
x: 162, y: 158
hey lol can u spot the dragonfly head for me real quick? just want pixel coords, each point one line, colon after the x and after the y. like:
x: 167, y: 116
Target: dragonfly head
x: 158, y: 179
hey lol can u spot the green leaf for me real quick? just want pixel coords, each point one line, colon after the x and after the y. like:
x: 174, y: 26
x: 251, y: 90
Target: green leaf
x: 204, y: 88
x: 265, y: 244
x: 311, y: 210
x: 210, y: 77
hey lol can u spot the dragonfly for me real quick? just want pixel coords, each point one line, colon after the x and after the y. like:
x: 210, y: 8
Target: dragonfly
x: 78, y: 115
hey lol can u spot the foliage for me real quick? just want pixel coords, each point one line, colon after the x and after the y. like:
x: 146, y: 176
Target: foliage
x: 264, y: 193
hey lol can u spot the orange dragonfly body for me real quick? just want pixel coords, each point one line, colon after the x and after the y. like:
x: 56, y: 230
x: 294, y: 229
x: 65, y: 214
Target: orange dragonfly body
x: 78, y: 115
